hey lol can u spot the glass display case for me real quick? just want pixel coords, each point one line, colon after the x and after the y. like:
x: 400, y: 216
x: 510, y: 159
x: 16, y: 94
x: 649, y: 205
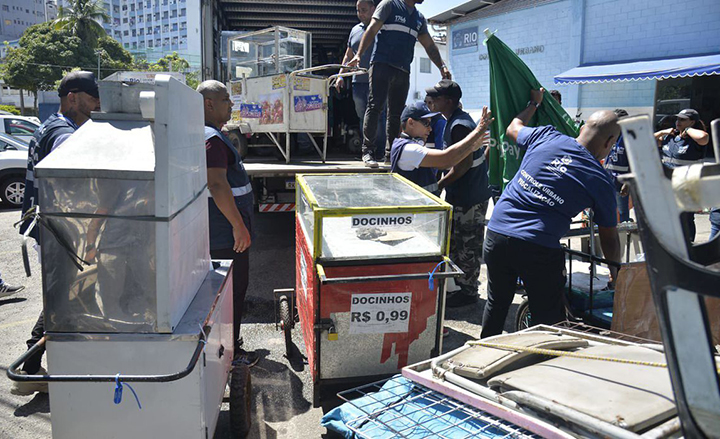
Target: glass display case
x: 370, y: 216
x: 268, y: 52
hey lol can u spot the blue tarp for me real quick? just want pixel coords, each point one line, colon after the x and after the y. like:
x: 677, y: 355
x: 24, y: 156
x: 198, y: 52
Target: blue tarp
x: 641, y: 70
x: 402, y: 409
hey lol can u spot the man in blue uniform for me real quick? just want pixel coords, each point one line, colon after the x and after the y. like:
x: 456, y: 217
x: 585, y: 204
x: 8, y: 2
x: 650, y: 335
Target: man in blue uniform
x: 360, y: 83
x: 617, y: 164
x: 398, y: 25
x: 79, y: 97
x: 230, y: 204
x: 558, y: 178
x: 410, y: 158
x: 466, y: 188
x: 681, y: 146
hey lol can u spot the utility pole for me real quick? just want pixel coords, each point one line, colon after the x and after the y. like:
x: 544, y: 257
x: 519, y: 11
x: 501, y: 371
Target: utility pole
x: 98, y: 52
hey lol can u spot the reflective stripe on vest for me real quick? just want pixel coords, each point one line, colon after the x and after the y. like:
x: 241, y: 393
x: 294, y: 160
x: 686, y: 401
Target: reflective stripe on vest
x: 678, y: 162
x: 432, y: 188
x: 617, y: 168
x: 400, y: 28
x: 478, y: 161
x: 240, y: 191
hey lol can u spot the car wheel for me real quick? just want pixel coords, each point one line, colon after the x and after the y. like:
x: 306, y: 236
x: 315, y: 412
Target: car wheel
x: 12, y: 191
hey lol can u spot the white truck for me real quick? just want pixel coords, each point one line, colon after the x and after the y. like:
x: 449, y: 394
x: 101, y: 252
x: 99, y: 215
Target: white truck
x: 279, y: 98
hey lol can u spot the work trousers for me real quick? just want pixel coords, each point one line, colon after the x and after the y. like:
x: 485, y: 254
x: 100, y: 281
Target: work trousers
x: 623, y: 206
x: 361, y: 94
x: 466, y: 245
x: 542, y: 270
x: 387, y: 85
x: 241, y: 270
x: 32, y: 364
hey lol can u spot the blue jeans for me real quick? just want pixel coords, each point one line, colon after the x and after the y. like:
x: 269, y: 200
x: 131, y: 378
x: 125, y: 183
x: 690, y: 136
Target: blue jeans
x: 361, y: 92
x: 623, y: 206
x: 714, y: 222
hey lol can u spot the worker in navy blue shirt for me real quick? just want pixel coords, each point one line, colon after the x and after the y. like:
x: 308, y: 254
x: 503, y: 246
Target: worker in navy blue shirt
x: 558, y: 178
x: 466, y: 188
x: 681, y: 146
x: 412, y: 159
x: 360, y: 83
x: 617, y: 164
x: 398, y: 25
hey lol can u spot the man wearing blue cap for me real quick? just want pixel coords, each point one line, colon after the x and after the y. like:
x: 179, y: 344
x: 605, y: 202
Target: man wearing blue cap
x: 410, y: 158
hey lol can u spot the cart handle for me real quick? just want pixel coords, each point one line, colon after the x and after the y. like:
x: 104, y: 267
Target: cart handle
x: 592, y: 257
x: 324, y: 280
x: 326, y: 67
x: 13, y: 375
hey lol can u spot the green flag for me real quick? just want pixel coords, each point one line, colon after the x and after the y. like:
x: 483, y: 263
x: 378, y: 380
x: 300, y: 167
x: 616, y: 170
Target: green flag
x: 510, y: 84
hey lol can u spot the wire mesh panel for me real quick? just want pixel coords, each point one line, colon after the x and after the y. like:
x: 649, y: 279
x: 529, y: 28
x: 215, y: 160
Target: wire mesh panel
x: 399, y: 408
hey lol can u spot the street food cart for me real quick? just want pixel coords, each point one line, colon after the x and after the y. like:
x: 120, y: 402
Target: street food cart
x: 371, y: 257
x: 275, y: 91
x: 131, y: 300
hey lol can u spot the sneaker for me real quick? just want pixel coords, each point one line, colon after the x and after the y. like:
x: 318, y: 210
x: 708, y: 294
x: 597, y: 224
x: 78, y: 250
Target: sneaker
x: 26, y: 388
x: 244, y: 357
x: 8, y: 290
x: 369, y: 160
x: 458, y: 300
x: 387, y: 159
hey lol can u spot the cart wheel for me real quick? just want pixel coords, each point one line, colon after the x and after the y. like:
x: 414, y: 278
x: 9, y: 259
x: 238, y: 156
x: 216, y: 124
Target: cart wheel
x: 240, y: 398
x: 286, y: 323
x: 522, y: 318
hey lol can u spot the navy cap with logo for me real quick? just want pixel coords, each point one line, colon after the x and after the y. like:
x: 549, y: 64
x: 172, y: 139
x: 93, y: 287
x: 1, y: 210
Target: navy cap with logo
x: 81, y: 81
x: 689, y: 113
x: 446, y: 87
x: 417, y: 110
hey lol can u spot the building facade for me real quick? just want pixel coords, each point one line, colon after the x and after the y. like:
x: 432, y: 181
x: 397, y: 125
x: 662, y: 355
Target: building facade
x: 18, y: 15
x: 151, y: 29
x: 423, y: 73
x: 554, y: 36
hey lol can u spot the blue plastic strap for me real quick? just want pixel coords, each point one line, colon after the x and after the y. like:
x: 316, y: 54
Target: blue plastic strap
x: 431, y: 283
x: 118, y: 391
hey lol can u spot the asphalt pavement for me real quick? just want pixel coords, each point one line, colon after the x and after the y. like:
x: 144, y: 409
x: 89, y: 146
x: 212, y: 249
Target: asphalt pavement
x: 282, y: 389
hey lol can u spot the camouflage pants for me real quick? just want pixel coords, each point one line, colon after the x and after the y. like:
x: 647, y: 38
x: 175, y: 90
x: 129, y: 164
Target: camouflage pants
x: 466, y: 245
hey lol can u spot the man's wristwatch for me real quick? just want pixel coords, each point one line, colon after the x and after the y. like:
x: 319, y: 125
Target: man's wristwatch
x: 533, y: 103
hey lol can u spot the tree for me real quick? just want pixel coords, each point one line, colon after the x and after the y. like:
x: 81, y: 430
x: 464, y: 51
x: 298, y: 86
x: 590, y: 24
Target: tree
x: 82, y: 18
x: 172, y: 63
x: 45, y: 54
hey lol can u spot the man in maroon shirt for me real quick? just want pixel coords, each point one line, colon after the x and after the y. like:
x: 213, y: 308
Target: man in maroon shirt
x: 231, y: 202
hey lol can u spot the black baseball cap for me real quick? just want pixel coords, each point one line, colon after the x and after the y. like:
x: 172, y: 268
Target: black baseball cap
x: 689, y: 113
x: 80, y: 81
x: 417, y: 111
x: 446, y: 87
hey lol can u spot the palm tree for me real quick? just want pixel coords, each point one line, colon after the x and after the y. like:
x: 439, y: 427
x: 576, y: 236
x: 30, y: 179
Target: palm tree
x: 83, y: 18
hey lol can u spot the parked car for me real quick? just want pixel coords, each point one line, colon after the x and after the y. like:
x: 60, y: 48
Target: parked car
x: 21, y: 127
x: 8, y: 142
x: 13, y: 163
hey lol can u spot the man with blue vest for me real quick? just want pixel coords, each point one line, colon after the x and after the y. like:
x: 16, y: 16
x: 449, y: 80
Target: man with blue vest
x: 79, y: 97
x: 230, y: 204
x: 360, y: 83
x: 559, y: 177
x: 398, y: 25
x: 413, y: 160
x: 466, y: 188
x: 617, y: 164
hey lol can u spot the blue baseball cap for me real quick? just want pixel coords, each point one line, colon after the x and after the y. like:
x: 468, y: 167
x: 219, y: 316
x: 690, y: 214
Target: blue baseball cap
x: 417, y: 111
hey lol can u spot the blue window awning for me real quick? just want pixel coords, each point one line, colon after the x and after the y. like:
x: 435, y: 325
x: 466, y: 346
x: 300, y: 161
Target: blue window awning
x: 641, y: 70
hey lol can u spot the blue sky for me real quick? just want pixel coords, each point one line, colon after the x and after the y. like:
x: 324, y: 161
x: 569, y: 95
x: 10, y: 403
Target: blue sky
x: 433, y: 7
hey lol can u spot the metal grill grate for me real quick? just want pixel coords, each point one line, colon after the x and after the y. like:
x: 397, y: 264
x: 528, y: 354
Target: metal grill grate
x: 399, y: 408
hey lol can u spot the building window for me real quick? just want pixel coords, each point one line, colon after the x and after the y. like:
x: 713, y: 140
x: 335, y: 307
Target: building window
x: 425, y: 65
x: 126, y: 33
x: 5, y: 8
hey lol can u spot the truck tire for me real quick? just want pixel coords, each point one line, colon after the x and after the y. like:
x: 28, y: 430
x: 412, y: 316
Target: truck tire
x: 240, y: 401
x: 12, y: 190
x: 240, y: 142
x: 286, y: 323
x: 354, y: 142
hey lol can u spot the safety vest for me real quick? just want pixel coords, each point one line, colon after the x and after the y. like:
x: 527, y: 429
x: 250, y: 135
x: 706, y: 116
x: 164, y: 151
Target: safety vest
x: 423, y: 177
x: 617, y: 161
x: 678, y: 151
x: 221, y: 236
x: 40, y: 146
x: 395, y: 42
x: 472, y: 188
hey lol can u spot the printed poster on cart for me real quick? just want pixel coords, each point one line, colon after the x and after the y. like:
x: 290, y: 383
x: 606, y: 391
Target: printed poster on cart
x: 308, y: 103
x: 379, y: 313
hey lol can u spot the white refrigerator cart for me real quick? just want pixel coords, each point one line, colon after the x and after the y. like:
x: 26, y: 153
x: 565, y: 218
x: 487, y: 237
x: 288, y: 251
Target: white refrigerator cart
x: 130, y: 295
